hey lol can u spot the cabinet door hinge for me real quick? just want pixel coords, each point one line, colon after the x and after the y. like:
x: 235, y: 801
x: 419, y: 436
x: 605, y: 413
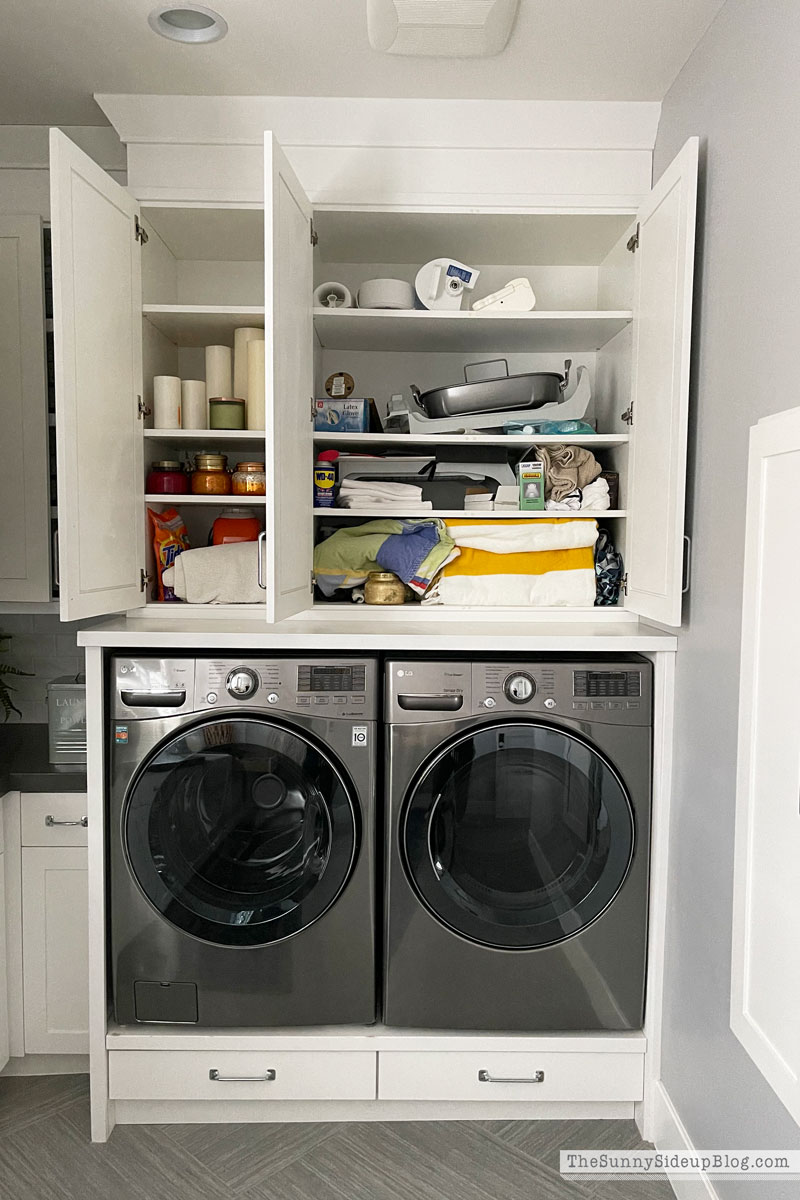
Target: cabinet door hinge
x: 627, y: 416
x: 311, y: 582
x: 313, y: 409
x: 144, y: 579
x: 313, y: 233
x: 142, y: 408
x: 623, y: 583
x: 141, y: 232
x: 633, y: 240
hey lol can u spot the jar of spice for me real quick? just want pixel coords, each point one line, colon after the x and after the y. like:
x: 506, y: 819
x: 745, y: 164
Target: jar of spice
x: 209, y: 477
x: 166, y: 478
x: 249, y: 479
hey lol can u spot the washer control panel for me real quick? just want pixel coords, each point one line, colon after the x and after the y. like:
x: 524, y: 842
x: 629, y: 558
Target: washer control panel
x: 336, y: 689
x: 612, y: 692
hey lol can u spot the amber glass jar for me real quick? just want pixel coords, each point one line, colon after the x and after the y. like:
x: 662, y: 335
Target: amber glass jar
x: 383, y: 587
x: 249, y: 479
x: 209, y: 477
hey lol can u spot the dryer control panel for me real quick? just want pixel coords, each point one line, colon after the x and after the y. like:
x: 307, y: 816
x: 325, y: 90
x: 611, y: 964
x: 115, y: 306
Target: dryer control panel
x: 618, y: 692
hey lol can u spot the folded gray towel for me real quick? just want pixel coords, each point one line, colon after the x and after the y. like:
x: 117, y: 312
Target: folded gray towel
x: 217, y: 575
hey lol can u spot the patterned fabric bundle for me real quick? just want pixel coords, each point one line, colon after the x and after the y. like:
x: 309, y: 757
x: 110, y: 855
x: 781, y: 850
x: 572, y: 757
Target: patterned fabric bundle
x: 412, y: 550
x: 519, y: 563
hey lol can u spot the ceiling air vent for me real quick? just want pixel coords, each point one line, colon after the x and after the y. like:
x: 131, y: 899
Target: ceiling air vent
x: 441, y: 28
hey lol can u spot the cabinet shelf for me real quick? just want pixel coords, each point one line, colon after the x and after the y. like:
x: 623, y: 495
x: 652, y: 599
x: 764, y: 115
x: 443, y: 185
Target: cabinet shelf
x: 202, y: 324
x: 361, y: 441
x: 466, y: 332
x: 229, y: 501
x: 205, y: 435
x: 480, y: 515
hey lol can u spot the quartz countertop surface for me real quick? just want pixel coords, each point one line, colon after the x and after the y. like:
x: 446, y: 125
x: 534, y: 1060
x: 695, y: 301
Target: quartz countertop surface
x: 386, y: 632
x: 25, y: 763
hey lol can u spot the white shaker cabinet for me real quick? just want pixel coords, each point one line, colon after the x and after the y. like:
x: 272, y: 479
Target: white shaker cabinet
x: 765, y: 975
x: 24, y: 491
x: 624, y: 309
x: 3, y: 956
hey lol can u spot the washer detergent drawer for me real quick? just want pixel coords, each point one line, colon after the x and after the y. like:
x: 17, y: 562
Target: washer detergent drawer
x: 240, y: 1075
x: 473, y: 1075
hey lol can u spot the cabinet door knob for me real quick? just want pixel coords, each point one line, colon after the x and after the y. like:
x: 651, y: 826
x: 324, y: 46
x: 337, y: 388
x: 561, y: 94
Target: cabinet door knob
x: 50, y: 821
x: 485, y: 1077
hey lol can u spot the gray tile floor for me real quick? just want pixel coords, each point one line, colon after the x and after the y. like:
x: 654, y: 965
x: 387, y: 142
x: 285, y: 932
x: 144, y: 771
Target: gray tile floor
x: 45, y: 1154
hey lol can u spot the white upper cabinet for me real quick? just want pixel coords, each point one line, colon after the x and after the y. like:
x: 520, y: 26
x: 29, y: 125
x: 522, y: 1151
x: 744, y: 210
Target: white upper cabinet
x: 289, y: 385
x: 24, y: 494
x: 765, y: 974
x: 662, y: 321
x: 97, y: 301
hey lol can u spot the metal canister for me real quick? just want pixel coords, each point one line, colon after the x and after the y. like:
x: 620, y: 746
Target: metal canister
x: 384, y: 587
x: 324, y: 484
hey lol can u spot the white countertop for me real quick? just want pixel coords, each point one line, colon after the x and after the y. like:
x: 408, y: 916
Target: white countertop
x: 379, y: 634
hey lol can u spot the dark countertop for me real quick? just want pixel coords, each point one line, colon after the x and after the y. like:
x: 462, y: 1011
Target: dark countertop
x: 25, y: 763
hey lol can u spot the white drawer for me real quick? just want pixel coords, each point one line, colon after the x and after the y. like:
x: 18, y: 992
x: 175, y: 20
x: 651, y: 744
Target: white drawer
x: 296, y: 1075
x: 37, y: 807
x: 456, y: 1075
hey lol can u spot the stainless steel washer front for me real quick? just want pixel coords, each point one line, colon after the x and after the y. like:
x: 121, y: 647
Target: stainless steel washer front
x: 518, y: 849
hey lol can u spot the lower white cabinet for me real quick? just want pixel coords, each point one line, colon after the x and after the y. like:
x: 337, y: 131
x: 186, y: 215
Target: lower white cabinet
x: 55, y: 950
x: 3, y: 974
x: 503, y: 1075
x: 241, y: 1075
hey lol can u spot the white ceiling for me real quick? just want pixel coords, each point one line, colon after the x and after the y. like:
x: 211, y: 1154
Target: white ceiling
x: 55, y: 53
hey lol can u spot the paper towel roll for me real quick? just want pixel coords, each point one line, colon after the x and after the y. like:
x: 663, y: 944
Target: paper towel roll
x: 194, y: 406
x: 241, y: 337
x: 332, y: 295
x: 166, y: 402
x: 256, y: 416
x: 218, y: 371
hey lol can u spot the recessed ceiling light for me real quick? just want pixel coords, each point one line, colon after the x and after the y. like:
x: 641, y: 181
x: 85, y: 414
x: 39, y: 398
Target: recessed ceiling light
x: 187, y: 23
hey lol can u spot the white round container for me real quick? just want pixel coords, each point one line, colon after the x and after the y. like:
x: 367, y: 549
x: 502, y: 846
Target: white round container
x: 385, y: 293
x: 166, y: 402
x: 194, y: 406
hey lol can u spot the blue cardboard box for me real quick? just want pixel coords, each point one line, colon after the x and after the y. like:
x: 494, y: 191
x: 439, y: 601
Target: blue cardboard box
x: 341, y: 416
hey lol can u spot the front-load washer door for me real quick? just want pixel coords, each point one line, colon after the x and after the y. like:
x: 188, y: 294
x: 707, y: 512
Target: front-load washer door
x: 240, y: 831
x: 517, y: 835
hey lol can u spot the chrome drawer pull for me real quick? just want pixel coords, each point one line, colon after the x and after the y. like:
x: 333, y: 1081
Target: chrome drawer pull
x: 51, y: 821
x: 267, y: 1077
x: 485, y: 1077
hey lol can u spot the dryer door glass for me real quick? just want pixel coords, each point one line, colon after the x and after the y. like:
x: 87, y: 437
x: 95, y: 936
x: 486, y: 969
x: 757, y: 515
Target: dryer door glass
x: 517, y: 835
x: 241, y: 832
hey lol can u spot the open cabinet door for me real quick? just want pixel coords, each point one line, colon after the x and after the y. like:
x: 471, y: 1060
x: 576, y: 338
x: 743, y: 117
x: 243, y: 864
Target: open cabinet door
x: 97, y: 321
x: 289, y: 386
x: 662, y: 327
x: 25, y: 535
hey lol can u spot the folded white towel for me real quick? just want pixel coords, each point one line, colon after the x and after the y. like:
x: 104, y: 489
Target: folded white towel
x: 595, y: 495
x: 362, y: 493
x: 225, y: 574
x: 524, y: 536
x: 555, y: 589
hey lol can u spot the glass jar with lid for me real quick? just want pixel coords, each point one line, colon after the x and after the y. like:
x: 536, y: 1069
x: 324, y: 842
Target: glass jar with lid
x: 166, y: 478
x: 210, y: 477
x: 249, y: 479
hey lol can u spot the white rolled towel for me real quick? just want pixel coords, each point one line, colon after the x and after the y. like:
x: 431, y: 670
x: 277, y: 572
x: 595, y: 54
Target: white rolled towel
x: 226, y: 574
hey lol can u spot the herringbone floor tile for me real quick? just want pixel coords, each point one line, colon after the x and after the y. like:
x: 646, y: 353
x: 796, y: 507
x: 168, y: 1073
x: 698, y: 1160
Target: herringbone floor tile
x: 45, y: 1152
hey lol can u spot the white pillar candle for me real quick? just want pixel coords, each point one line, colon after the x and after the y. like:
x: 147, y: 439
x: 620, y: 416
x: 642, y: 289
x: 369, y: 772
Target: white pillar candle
x: 194, y: 405
x: 166, y: 402
x: 241, y: 338
x: 255, y: 385
x: 218, y: 371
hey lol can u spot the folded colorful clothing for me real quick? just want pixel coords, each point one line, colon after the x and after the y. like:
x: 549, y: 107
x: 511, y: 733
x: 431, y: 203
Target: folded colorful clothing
x: 537, y: 563
x: 416, y: 550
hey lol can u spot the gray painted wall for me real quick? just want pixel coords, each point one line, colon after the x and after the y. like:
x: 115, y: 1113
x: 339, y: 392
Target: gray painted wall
x: 739, y: 92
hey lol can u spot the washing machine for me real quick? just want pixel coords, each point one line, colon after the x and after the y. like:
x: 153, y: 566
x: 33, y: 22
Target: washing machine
x: 518, y: 802
x: 241, y: 840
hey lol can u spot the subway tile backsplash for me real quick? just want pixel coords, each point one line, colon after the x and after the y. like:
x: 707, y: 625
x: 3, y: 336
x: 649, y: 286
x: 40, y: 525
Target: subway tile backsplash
x: 44, y: 645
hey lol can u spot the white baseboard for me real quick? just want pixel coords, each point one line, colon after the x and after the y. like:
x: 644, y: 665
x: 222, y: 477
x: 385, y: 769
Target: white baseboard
x: 47, y: 1064
x: 670, y: 1134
